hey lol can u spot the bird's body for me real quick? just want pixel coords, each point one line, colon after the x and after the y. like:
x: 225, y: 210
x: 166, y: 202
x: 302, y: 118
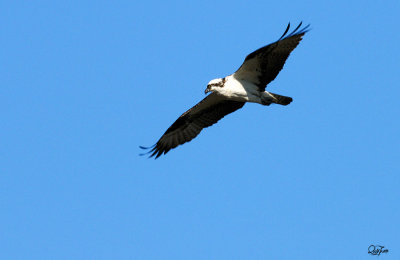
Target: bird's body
x: 242, y: 91
x: 230, y: 93
x: 238, y: 90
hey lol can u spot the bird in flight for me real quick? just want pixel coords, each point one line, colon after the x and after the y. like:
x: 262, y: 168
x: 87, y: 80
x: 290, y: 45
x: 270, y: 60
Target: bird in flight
x: 229, y: 94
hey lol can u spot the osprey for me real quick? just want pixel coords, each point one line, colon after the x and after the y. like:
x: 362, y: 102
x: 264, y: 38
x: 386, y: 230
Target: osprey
x: 229, y: 94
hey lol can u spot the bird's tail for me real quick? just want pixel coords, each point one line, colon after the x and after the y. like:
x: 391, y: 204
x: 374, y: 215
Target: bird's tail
x: 281, y: 100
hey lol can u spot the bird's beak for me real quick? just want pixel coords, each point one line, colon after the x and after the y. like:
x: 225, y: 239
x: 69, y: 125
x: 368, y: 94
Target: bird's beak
x: 206, y: 91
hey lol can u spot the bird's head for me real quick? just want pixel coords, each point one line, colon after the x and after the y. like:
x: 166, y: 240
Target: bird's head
x: 214, y: 85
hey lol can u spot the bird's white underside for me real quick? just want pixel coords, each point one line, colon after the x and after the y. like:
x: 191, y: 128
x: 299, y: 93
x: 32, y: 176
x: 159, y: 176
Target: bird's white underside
x: 241, y: 90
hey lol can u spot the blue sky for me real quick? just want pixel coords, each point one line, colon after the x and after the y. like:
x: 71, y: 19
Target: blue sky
x: 84, y: 83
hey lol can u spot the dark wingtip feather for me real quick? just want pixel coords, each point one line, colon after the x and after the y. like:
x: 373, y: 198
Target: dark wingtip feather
x: 303, y: 30
x: 295, y: 31
x: 155, y: 150
x: 146, y: 148
x: 287, y: 29
x: 298, y: 26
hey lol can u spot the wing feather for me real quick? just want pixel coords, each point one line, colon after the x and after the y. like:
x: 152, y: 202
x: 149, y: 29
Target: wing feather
x: 263, y: 65
x: 206, y: 113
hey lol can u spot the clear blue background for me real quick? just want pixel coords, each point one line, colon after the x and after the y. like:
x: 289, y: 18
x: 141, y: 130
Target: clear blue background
x: 84, y: 83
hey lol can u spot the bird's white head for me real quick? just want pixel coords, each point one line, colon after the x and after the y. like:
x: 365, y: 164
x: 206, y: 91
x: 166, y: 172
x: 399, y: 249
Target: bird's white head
x: 214, y: 85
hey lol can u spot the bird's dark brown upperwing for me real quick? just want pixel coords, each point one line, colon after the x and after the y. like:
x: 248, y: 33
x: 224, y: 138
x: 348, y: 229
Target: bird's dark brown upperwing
x: 263, y: 65
x: 204, y: 114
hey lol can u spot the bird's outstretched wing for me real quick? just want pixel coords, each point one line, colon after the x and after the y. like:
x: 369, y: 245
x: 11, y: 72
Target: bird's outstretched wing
x: 263, y: 65
x: 206, y: 113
